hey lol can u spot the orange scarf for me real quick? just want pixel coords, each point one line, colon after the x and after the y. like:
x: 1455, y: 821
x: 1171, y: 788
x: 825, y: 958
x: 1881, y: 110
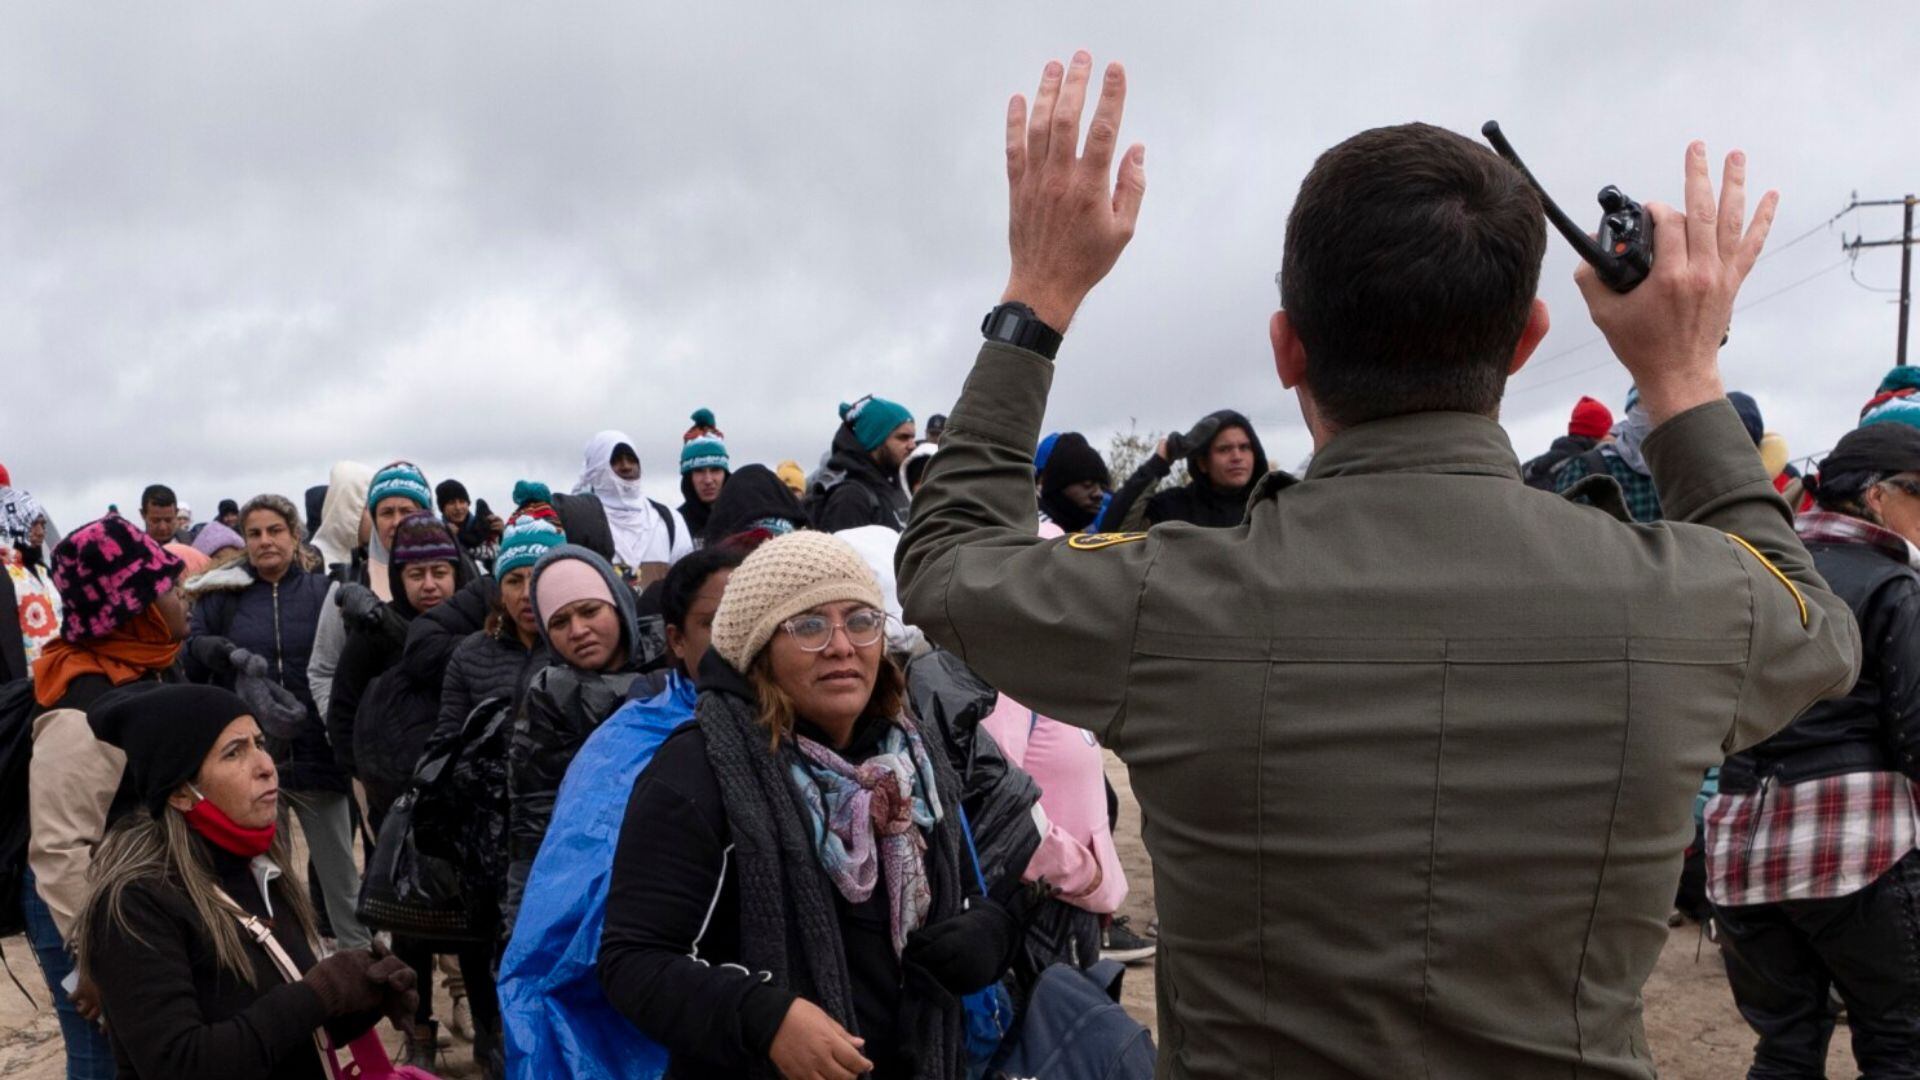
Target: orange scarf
x: 140, y: 646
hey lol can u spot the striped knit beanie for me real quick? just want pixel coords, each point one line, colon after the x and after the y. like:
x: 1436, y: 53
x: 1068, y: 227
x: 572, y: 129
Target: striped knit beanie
x: 1897, y: 400
x: 422, y: 538
x: 402, y: 478
x: 704, y: 445
x: 525, y: 540
x: 784, y: 577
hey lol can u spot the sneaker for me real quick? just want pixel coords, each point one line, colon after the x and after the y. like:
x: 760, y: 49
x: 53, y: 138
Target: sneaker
x: 1119, y: 942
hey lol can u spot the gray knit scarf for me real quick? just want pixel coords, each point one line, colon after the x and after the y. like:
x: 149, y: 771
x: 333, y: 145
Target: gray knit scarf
x: 787, y: 914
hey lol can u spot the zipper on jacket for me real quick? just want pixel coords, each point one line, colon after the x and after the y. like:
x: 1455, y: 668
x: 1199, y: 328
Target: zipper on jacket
x: 279, y: 654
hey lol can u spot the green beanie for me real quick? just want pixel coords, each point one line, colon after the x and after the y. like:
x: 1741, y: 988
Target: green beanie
x: 703, y: 446
x: 873, y: 419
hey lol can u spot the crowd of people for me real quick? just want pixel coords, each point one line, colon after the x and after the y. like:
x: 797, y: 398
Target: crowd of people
x: 805, y: 776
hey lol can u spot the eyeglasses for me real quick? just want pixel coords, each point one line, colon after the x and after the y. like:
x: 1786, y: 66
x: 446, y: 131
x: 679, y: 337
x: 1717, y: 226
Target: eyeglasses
x: 815, y: 632
x: 1901, y: 483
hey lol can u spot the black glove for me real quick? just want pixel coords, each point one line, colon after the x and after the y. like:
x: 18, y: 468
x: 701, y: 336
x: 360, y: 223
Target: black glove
x: 359, y: 605
x: 213, y: 652
x: 968, y: 951
x: 1197, y: 436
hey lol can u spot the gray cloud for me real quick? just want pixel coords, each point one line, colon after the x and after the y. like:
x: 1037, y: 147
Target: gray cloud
x: 235, y: 248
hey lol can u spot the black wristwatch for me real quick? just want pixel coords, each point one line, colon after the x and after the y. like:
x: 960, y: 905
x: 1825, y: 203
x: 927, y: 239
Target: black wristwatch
x: 1016, y: 324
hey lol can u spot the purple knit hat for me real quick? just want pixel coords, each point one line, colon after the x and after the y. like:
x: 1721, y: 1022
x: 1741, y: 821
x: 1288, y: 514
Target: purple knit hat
x: 108, y: 572
x: 422, y: 538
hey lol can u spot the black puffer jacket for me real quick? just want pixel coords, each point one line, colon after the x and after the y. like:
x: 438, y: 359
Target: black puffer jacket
x: 278, y: 621
x: 563, y: 706
x: 1877, y: 725
x: 853, y: 491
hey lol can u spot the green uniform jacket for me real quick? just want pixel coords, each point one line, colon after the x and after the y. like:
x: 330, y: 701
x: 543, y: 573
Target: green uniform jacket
x: 1416, y: 745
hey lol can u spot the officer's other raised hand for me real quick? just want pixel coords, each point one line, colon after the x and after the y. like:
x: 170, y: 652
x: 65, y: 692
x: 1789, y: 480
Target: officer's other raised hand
x: 1667, y: 331
x: 1068, y: 221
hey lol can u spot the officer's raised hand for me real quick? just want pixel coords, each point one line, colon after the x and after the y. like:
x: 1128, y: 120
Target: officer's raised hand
x: 1667, y: 331
x: 1068, y: 220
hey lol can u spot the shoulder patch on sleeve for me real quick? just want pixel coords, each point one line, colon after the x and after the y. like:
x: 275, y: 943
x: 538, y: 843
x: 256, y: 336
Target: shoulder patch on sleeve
x: 1783, y: 579
x: 1101, y: 541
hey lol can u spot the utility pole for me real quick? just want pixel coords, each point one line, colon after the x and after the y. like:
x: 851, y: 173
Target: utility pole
x: 1906, y: 264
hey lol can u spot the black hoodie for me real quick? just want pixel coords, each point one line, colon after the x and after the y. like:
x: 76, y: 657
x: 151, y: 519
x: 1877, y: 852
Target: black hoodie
x: 1198, y: 501
x: 694, y: 512
x: 752, y: 494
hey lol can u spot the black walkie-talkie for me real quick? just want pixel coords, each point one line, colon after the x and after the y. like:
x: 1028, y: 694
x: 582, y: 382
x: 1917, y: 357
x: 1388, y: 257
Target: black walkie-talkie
x: 1623, y: 254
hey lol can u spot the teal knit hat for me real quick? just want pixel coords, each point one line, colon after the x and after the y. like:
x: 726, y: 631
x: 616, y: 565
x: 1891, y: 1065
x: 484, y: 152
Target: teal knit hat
x: 704, y: 446
x: 873, y: 419
x: 402, y: 478
x: 525, y: 540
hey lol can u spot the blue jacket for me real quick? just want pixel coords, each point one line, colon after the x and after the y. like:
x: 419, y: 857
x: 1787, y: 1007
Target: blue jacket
x: 556, y: 1019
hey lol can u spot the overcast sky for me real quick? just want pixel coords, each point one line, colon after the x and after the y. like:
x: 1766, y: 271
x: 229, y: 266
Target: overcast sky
x: 239, y: 242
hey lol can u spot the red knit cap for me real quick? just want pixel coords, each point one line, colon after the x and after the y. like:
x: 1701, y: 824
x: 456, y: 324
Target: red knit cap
x: 1591, y: 419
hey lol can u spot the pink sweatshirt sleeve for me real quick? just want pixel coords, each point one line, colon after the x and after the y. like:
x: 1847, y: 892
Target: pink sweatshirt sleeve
x: 1087, y: 872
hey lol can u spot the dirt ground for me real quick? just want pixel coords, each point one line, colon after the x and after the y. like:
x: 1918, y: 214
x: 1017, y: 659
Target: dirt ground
x: 1691, y: 1023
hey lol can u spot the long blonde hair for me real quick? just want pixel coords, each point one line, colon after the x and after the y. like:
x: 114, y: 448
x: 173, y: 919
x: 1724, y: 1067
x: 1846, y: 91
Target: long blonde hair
x: 163, y: 850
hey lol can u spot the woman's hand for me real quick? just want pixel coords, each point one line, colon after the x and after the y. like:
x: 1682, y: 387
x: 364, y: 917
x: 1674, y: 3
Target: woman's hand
x: 811, y: 1045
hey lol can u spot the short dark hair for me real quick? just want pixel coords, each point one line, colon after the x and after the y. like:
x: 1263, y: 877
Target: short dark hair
x: 1412, y: 259
x: 688, y: 576
x: 158, y: 495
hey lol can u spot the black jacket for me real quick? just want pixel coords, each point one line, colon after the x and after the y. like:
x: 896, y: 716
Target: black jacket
x: 854, y: 491
x: 1538, y: 473
x: 386, y: 691
x: 172, y: 1012
x: 670, y: 947
x: 1198, y: 501
x: 1877, y: 724
x: 694, y: 512
x: 563, y: 706
x: 277, y: 621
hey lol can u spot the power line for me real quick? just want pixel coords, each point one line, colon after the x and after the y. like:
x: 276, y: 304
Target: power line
x: 1609, y: 362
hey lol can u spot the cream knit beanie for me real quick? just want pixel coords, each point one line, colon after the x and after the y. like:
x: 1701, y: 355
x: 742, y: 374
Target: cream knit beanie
x: 784, y: 577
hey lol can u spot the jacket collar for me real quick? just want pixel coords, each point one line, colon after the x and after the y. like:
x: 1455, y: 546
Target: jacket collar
x: 1428, y: 442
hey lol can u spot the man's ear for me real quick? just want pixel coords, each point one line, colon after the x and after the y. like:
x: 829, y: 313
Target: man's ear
x: 1536, y: 329
x: 1289, y: 355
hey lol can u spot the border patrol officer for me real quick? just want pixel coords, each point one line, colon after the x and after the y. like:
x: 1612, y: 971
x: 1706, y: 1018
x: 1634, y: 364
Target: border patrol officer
x: 1416, y: 745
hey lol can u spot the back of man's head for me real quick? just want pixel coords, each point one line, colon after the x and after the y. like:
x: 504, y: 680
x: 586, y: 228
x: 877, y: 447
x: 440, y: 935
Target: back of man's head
x: 1412, y: 258
x: 157, y: 495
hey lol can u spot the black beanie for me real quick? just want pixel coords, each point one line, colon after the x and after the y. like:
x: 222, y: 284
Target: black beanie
x: 448, y: 490
x: 1074, y: 461
x: 166, y: 730
x: 1877, y: 448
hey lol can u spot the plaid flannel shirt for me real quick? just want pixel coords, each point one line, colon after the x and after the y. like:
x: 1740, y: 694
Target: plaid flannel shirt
x: 1817, y: 839
x: 1642, y: 498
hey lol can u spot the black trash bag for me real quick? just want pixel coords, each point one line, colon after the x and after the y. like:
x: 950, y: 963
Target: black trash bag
x: 462, y: 816
x: 410, y: 893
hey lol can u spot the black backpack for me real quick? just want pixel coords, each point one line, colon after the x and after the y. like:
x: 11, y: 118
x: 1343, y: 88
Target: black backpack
x: 16, y: 749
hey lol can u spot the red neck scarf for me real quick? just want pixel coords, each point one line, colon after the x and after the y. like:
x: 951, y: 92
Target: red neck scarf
x: 227, y: 834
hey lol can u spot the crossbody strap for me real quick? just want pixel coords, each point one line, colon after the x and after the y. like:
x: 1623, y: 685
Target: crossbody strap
x: 329, y: 1061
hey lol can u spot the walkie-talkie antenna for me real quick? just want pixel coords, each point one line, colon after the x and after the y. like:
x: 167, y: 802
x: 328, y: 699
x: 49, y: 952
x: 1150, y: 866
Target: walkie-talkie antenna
x: 1575, y: 235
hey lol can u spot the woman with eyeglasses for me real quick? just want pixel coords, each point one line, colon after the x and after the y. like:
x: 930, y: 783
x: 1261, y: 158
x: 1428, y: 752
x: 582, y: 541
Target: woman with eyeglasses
x: 791, y: 894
